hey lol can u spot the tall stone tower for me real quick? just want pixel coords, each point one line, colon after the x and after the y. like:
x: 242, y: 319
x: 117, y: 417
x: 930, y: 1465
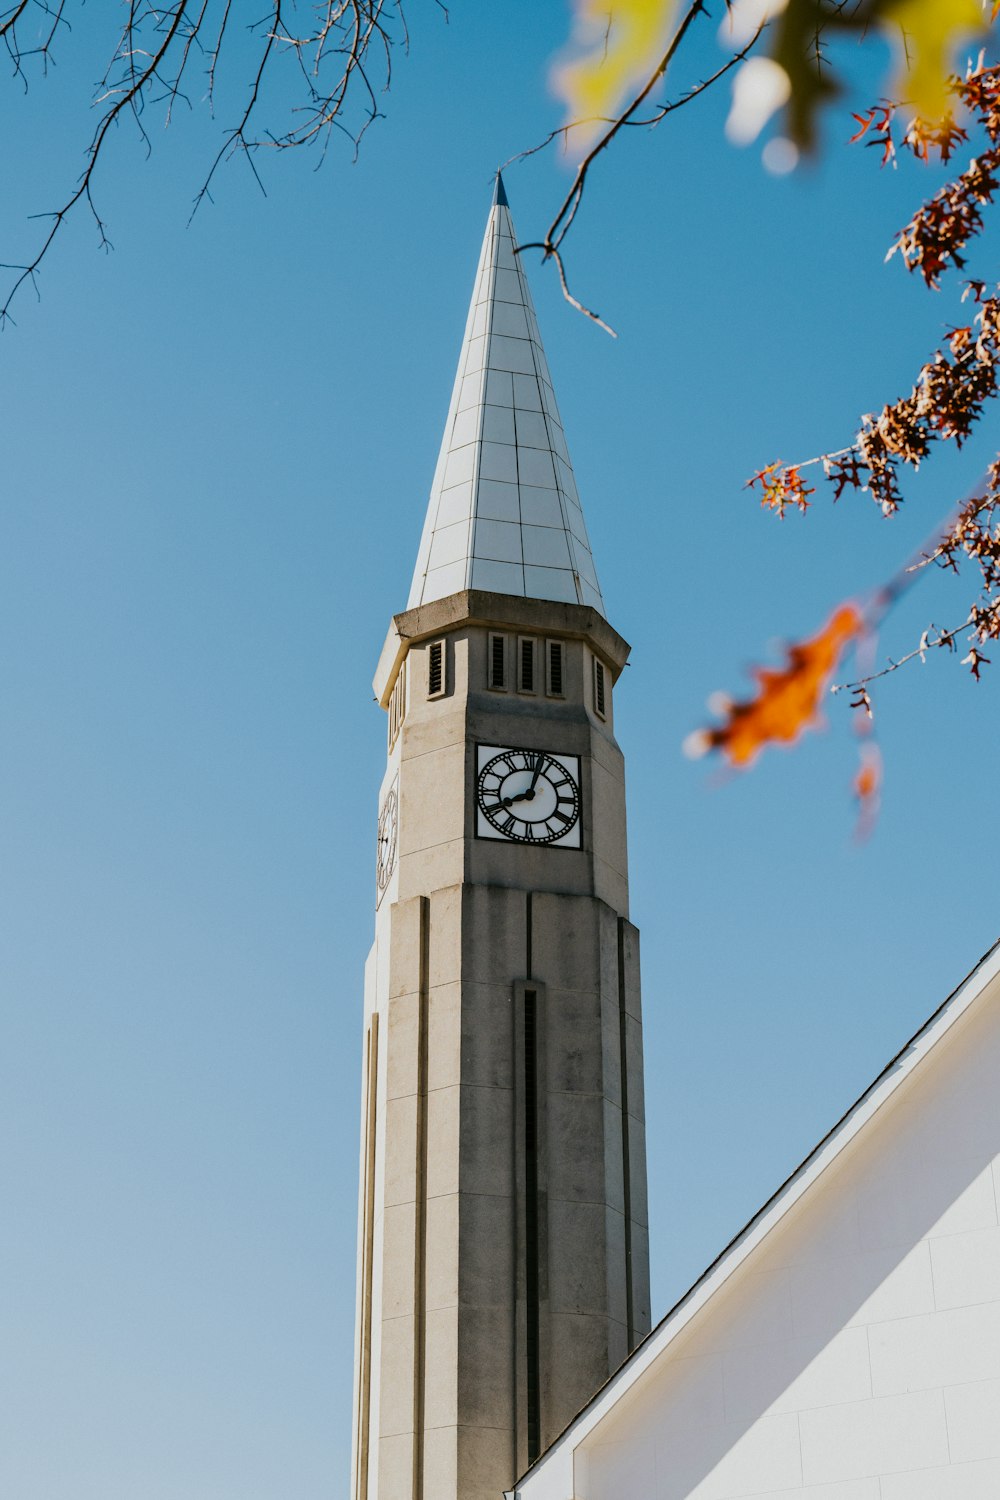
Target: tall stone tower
x: 502, y: 1246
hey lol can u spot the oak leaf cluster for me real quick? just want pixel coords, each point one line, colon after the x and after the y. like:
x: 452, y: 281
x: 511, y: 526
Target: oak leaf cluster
x: 947, y: 400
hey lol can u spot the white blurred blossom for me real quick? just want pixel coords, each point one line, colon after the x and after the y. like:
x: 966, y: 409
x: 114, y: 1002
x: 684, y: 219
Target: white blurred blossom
x: 780, y: 156
x: 761, y: 87
x: 745, y: 18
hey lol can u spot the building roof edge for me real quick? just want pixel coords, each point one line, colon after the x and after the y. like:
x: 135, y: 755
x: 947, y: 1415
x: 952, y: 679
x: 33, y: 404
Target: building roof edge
x: 869, y: 1103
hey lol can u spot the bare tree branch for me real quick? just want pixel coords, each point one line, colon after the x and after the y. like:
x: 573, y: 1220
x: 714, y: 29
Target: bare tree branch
x: 83, y: 190
x: 551, y: 244
x: 927, y: 643
x: 342, y: 60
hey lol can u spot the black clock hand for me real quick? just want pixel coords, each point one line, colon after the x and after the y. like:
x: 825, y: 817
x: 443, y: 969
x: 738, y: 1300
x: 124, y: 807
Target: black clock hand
x: 529, y: 794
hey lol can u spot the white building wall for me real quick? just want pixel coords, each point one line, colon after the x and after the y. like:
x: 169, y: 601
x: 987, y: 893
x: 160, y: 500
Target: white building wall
x: 854, y: 1354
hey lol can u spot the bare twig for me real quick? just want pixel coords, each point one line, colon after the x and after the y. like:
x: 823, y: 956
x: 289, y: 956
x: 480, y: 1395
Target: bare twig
x: 551, y: 253
x: 551, y: 244
x: 941, y: 544
x: 237, y: 136
x: 83, y: 190
x: 927, y: 643
x: 699, y: 88
x: 342, y: 60
x: 563, y: 220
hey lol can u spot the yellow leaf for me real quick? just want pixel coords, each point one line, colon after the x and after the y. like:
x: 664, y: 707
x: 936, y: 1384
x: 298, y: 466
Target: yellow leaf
x: 616, y: 45
x: 927, y: 33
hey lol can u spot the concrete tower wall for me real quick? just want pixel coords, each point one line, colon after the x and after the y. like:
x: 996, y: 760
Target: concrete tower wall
x: 503, y: 1261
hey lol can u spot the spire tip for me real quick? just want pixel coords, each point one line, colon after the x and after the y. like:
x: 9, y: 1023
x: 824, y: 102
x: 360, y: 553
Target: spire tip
x: 499, y: 191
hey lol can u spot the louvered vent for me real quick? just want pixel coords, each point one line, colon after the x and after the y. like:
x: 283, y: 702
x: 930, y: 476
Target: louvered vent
x: 435, y: 669
x: 498, y: 661
x: 555, y: 684
x: 600, y: 692
x: 526, y: 664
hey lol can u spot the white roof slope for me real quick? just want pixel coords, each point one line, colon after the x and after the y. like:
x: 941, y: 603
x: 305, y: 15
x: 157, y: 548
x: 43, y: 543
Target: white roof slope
x: 504, y: 514
x: 551, y: 1474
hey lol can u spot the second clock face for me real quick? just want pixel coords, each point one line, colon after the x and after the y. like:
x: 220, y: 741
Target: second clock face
x: 528, y: 796
x: 388, y: 836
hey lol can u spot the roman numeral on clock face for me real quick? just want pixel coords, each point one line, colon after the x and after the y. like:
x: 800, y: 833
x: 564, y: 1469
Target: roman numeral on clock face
x: 528, y: 796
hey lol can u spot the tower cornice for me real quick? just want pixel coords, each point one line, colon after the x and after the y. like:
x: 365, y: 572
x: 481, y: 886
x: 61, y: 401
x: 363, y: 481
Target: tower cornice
x: 502, y: 611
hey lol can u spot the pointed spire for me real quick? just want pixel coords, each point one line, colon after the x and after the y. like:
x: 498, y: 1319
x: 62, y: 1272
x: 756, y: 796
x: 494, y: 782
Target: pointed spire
x: 504, y: 514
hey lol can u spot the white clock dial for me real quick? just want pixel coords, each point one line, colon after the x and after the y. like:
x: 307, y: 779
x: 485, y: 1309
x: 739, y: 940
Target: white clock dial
x: 528, y: 796
x: 388, y: 836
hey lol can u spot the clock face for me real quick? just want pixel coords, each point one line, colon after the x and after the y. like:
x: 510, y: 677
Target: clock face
x: 388, y: 833
x: 528, y: 796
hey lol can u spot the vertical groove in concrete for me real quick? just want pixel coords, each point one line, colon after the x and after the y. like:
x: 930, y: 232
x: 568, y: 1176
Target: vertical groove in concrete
x: 516, y: 1465
x: 365, y: 1377
x: 519, y: 1302
x: 626, y: 1167
x: 531, y: 1238
x: 420, y: 1248
x: 532, y: 1334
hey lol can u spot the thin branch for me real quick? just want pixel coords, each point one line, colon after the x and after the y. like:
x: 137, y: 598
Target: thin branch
x: 343, y: 57
x: 943, y: 638
x: 551, y: 253
x: 560, y: 130
x: 905, y: 577
x: 563, y: 221
x: 10, y: 21
x: 83, y: 190
x: 560, y: 225
x: 965, y: 512
x: 699, y: 88
x: 237, y: 136
x: 214, y: 54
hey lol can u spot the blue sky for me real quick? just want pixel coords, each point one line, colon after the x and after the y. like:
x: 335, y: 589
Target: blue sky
x: 218, y: 446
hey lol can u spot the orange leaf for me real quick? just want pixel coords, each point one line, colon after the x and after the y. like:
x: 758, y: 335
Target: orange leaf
x: 788, y: 698
x: 867, y: 789
x: 781, y: 485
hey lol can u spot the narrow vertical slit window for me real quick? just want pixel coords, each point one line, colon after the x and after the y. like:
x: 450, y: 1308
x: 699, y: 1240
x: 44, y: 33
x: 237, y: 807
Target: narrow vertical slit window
x: 497, y: 663
x: 600, y: 690
x: 532, y: 1350
x: 526, y: 664
x: 554, y: 684
x: 435, y: 669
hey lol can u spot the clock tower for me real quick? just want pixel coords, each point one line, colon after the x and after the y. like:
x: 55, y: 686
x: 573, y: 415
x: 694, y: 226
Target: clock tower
x: 502, y: 1244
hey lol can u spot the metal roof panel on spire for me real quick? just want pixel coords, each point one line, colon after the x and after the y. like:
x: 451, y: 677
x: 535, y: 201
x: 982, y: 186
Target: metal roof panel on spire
x: 504, y: 514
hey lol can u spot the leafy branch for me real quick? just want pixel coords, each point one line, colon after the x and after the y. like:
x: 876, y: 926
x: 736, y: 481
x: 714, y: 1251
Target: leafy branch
x: 945, y: 403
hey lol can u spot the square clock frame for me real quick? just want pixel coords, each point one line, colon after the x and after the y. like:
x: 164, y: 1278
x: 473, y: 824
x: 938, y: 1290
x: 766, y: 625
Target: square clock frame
x: 528, y: 797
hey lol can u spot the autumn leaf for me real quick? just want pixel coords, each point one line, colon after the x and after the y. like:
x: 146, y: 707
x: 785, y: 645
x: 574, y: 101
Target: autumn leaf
x: 782, y: 485
x: 788, y: 698
x: 926, y: 34
x: 616, y: 44
x: 867, y: 790
x: 974, y: 661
